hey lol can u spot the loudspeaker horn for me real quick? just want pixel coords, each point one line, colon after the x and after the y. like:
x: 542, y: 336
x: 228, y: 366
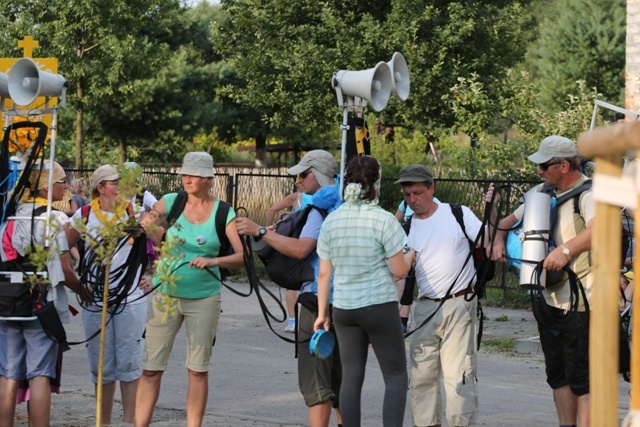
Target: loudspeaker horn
x: 372, y: 85
x: 400, y: 83
x: 4, y: 85
x: 27, y: 82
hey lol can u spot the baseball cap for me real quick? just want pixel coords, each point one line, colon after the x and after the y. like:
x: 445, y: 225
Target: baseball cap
x: 415, y: 173
x: 323, y: 164
x: 197, y: 163
x: 554, y: 146
x: 39, y: 177
x: 104, y: 173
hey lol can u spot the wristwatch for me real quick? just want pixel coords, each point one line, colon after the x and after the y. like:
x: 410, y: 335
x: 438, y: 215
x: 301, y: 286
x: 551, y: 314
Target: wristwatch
x: 261, y: 232
x: 566, y: 252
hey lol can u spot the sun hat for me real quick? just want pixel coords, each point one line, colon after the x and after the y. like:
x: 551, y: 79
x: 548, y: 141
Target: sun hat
x: 323, y: 165
x: 415, y: 173
x: 554, y: 146
x: 104, y: 173
x: 322, y: 343
x: 197, y: 163
x: 39, y: 177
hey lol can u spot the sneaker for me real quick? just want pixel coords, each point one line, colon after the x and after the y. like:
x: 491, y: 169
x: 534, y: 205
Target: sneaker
x: 291, y: 328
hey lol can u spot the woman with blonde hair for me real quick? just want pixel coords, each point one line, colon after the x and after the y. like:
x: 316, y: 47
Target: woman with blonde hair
x: 185, y: 283
x: 77, y: 188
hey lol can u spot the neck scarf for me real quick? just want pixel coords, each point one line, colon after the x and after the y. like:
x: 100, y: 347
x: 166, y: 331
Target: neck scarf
x: 118, y: 213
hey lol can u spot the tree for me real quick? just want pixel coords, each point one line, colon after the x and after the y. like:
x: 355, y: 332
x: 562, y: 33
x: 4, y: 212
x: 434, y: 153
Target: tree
x: 580, y: 40
x: 286, y: 53
x: 141, y: 72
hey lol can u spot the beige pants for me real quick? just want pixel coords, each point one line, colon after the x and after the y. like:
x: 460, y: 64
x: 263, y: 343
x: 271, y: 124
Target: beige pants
x: 444, y: 348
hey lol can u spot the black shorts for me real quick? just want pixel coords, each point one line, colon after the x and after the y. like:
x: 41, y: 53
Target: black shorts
x: 566, y: 352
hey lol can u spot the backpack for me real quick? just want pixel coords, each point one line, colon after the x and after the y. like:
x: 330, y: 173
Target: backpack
x: 283, y: 270
x: 485, y: 268
x: 514, y: 242
x: 221, y: 224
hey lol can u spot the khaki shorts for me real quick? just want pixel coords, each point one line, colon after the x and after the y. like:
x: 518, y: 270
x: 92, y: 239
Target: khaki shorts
x: 165, y: 317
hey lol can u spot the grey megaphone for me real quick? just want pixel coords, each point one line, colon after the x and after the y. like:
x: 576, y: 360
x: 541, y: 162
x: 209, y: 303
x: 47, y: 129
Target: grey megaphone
x: 400, y: 82
x: 27, y: 82
x: 4, y: 85
x: 372, y: 85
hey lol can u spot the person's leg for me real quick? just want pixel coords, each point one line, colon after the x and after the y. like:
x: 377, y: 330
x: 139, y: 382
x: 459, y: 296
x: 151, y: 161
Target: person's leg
x: 316, y: 377
x: 128, y: 391
x: 426, y: 401
x: 458, y: 359
x: 147, y: 394
x: 41, y: 362
x: 566, y: 405
x: 201, y: 319
x: 8, y: 391
x: 320, y: 414
x: 162, y: 327
x: 386, y: 337
x: 106, y: 406
x: 354, y: 348
x: 92, y: 322
x: 129, y: 327
x: 583, y: 410
x: 197, y: 395
x: 291, y: 298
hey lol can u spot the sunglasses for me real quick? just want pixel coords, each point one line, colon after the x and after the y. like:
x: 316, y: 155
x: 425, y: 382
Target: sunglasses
x: 304, y: 174
x: 544, y: 166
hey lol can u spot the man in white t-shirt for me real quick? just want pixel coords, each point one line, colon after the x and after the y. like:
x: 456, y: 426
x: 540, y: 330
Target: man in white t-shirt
x: 446, y: 345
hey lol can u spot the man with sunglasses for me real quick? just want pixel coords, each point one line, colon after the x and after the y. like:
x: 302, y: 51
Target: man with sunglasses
x: 318, y: 379
x: 566, y: 349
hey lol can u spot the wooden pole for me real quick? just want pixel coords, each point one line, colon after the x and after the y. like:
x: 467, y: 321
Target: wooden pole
x: 605, y: 311
x: 103, y: 335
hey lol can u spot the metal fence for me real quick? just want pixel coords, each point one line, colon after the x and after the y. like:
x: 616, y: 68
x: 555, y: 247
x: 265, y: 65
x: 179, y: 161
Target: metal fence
x: 257, y: 189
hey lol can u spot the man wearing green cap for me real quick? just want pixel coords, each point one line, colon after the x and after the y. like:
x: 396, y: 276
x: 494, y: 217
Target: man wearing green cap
x: 446, y: 345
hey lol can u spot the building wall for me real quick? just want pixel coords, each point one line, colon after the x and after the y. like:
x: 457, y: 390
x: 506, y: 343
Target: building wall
x: 632, y: 72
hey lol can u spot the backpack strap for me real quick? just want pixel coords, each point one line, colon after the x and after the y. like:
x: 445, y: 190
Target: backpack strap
x: 84, y: 211
x: 176, y: 209
x: 221, y: 226
x: 456, y: 210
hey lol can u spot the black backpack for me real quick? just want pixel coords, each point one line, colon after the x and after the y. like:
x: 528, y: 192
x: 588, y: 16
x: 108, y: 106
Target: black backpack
x: 221, y: 224
x: 285, y: 271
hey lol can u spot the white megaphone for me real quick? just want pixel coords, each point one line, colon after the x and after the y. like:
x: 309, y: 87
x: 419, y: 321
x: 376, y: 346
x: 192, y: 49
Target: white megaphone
x: 27, y: 82
x: 400, y: 84
x: 372, y: 85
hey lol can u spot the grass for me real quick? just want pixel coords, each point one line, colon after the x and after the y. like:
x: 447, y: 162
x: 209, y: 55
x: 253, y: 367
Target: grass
x: 500, y: 345
x: 515, y: 299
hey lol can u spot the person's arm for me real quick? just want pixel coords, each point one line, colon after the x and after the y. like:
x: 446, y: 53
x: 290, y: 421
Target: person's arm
x: 73, y: 207
x: 400, y: 216
x: 400, y: 263
x: 498, y: 244
x: 556, y: 259
x: 286, y: 202
x: 323, y: 321
x: 290, y: 246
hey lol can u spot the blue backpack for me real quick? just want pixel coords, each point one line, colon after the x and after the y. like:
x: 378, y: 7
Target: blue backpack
x: 515, y: 237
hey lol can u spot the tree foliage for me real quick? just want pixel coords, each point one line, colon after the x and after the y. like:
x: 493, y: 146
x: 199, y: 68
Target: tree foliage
x: 580, y: 40
x: 286, y: 52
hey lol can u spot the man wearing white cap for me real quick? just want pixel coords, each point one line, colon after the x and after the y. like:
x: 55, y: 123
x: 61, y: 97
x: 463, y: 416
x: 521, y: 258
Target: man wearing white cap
x: 319, y: 379
x: 566, y: 347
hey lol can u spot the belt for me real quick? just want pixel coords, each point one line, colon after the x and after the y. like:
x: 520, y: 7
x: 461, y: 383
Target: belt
x: 455, y: 295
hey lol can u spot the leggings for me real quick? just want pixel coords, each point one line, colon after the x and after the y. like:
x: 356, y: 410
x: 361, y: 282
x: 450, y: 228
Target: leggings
x: 379, y: 325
